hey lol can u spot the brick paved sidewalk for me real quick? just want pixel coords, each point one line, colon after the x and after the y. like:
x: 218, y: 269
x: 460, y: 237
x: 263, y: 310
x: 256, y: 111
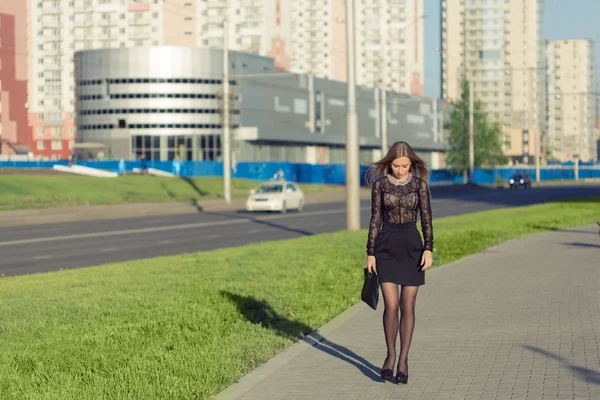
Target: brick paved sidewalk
x: 518, y: 321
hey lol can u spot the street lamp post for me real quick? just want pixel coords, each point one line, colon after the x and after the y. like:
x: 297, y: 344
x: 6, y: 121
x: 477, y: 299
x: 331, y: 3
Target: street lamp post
x: 352, y: 169
x: 226, y: 117
x: 471, y: 135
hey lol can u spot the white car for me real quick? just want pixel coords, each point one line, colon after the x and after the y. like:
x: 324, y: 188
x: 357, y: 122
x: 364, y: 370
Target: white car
x: 276, y: 196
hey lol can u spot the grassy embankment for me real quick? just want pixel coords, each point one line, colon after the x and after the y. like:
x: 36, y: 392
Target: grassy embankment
x: 30, y: 191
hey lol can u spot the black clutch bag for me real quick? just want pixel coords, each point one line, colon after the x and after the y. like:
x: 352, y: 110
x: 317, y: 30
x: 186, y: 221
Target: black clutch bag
x: 370, y: 289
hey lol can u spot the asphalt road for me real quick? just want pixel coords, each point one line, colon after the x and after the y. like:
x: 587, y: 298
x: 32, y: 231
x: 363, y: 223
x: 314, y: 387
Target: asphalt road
x: 41, y: 248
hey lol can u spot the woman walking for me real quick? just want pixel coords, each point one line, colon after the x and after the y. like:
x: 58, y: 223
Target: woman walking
x: 394, y: 247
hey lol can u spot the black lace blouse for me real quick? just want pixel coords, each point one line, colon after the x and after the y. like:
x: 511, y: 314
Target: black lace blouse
x: 398, y: 204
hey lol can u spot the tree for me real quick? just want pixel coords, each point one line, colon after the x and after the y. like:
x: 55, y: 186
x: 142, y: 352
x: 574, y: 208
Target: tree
x: 486, y: 136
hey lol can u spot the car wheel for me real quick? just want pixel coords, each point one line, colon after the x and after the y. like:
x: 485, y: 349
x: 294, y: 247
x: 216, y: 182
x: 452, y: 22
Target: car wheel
x: 300, y: 206
x: 283, y: 208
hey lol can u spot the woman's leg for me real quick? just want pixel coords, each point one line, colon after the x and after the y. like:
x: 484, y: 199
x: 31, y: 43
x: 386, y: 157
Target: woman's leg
x: 390, y: 321
x: 408, y: 298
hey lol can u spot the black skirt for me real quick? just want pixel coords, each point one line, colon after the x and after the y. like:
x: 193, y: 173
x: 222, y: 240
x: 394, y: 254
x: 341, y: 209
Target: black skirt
x: 398, y: 252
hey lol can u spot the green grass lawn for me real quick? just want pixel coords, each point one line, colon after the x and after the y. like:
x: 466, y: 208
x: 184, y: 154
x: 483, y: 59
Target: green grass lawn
x: 185, y: 327
x: 30, y: 191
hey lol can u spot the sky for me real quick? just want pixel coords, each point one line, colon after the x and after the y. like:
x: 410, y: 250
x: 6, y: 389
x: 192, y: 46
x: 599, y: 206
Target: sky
x: 563, y: 19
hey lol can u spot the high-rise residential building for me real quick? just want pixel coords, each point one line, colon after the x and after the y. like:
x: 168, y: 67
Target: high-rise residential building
x: 318, y: 38
x: 309, y: 37
x: 499, y: 46
x: 255, y: 26
x: 59, y: 28
x: 571, y: 100
x: 14, y: 64
x: 389, y: 44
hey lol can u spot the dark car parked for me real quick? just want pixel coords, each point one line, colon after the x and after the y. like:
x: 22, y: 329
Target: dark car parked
x: 520, y: 180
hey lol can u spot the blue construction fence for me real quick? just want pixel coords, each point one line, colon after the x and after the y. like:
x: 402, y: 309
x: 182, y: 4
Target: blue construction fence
x: 305, y: 173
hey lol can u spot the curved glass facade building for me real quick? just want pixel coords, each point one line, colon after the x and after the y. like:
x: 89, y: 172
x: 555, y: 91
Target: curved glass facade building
x: 165, y: 103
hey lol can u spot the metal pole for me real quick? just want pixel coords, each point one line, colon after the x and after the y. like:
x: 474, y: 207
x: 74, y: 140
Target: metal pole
x: 471, y: 139
x: 384, y: 130
x: 226, y: 115
x: 352, y: 169
x: 538, y: 134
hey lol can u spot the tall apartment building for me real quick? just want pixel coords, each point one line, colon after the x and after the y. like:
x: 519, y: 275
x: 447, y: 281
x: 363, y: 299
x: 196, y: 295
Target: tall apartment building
x: 310, y: 37
x: 254, y: 26
x: 389, y: 44
x: 58, y: 28
x: 571, y: 100
x: 499, y: 46
x: 14, y: 64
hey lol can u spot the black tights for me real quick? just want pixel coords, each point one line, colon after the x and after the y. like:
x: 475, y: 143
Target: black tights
x: 406, y: 303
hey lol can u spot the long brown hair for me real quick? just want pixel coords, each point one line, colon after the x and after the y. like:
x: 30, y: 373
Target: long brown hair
x: 399, y: 149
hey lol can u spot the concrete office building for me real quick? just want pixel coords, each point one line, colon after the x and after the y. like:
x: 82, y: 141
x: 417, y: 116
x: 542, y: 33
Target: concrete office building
x: 571, y: 100
x: 499, y: 46
x: 166, y: 103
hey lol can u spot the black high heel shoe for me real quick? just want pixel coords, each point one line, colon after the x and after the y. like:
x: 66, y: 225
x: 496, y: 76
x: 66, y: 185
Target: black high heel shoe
x: 401, y: 377
x: 387, y: 374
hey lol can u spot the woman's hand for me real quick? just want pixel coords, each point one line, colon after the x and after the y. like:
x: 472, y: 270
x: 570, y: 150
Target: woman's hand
x: 426, y: 259
x: 371, y: 264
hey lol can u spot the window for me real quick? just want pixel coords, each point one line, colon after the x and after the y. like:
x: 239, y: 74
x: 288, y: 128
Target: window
x: 40, y: 145
x: 56, y: 145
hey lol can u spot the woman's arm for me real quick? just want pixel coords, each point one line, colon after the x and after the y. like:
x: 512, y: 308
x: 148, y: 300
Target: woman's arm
x: 425, y: 210
x: 375, y: 223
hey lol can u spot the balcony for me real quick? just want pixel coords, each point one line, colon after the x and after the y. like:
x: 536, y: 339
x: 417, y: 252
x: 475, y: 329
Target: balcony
x: 51, y: 37
x: 51, y: 10
x: 139, y: 21
x: 83, y: 8
x: 50, y: 24
x: 52, y: 52
x: 83, y: 24
x: 218, y: 3
x: 107, y: 22
x: 137, y: 35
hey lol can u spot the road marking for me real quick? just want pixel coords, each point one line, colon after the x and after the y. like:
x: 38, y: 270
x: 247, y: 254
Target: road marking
x: 165, y: 242
x: 106, y: 250
x: 167, y: 228
x: 253, y: 231
x: 212, y: 237
x: 41, y: 257
x: 150, y: 221
x: 321, y: 223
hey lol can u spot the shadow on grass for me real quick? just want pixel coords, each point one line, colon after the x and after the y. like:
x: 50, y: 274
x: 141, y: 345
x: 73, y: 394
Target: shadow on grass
x: 581, y: 373
x: 170, y: 193
x: 190, y: 182
x: 261, y: 313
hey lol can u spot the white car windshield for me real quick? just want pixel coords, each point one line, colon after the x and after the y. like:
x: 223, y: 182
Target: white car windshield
x: 270, y: 189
